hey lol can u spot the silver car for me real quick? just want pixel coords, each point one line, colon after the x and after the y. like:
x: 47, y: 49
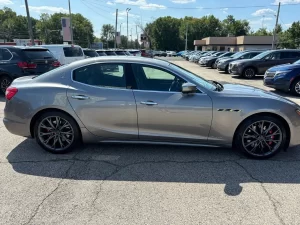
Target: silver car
x: 139, y: 100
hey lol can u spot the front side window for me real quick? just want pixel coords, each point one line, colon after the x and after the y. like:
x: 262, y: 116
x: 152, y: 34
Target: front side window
x: 72, y: 51
x: 156, y: 79
x: 109, y: 75
x: 273, y: 56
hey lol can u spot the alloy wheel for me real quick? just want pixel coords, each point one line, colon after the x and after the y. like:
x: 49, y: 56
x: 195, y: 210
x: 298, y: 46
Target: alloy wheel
x: 262, y: 138
x: 4, y: 84
x: 297, y: 87
x: 55, y: 133
x: 249, y: 73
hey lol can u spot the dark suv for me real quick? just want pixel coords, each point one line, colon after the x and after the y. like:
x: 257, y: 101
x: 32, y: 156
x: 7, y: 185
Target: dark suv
x: 261, y: 63
x: 19, y: 61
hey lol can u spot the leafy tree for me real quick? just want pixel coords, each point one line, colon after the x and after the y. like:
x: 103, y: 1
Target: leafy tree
x: 290, y: 37
x: 236, y: 27
x: 262, y: 32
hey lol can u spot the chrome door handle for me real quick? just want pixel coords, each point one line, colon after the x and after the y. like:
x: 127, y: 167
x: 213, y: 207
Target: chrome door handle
x: 80, y: 97
x: 149, y: 103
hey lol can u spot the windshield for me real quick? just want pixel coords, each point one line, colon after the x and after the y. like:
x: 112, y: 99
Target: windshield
x: 72, y: 51
x: 38, y: 53
x: 199, y: 80
x: 262, y: 55
x: 90, y: 53
x: 238, y: 54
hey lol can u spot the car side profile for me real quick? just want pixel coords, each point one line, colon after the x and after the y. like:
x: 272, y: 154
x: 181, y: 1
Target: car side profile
x: 140, y: 100
x: 259, y: 64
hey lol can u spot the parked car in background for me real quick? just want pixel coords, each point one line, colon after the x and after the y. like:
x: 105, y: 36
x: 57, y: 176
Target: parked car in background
x: 135, y: 52
x: 147, y: 53
x: 171, y: 53
x: 180, y: 53
x: 17, y: 61
x: 205, y: 59
x: 259, y: 64
x: 101, y: 52
x: 223, y: 64
x: 110, y: 53
x: 197, y: 56
x: 89, y: 53
x: 131, y: 100
x: 66, y: 53
x: 120, y: 52
x: 212, y: 60
x: 284, y: 77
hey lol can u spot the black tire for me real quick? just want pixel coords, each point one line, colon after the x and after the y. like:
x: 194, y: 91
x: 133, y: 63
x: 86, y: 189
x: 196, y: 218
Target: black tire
x: 249, y: 73
x: 5, y: 81
x: 244, y: 127
x: 76, y: 140
x: 227, y: 69
x: 295, y: 87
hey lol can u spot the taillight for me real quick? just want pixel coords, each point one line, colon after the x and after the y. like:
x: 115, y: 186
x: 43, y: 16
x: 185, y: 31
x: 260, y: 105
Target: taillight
x: 10, y: 92
x: 26, y: 65
x: 56, y: 64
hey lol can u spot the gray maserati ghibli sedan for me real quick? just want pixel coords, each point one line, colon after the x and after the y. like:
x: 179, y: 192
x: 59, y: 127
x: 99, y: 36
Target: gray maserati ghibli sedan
x: 150, y: 101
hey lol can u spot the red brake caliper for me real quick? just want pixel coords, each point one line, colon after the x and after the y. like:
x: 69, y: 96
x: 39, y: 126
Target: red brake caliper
x: 272, y: 137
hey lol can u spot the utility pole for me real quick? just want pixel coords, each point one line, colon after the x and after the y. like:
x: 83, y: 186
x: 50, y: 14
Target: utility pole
x: 276, y: 25
x: 186, y: 33
x: 71, y: 26
x: 137, y: 37
x: 29, y: 23
x: 116, y: 28
x: 120, y: 28
x: 127, y: 10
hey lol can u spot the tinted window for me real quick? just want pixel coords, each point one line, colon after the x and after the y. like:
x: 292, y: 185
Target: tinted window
x: 110, y: 53
x: 101, y: 75
x: 72, y: 51
x: 246, y: 56
x: 5, y: 54
x: 273, y: 56
x: 155, y: 79
x: 253, y: 54
x: 290, y: 55
x: 38, y: 53
x: 120, y: 53
x: 90, y: 53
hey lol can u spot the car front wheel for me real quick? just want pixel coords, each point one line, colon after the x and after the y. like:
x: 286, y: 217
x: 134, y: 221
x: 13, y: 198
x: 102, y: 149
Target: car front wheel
x: 249, y: 73
x: 56, y: 132
x: 261, y: 137
x: 295, y: 87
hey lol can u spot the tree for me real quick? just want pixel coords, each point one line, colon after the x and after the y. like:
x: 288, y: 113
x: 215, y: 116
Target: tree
x: 290, y: 38
x: 262, y: 32
x: 236, y: 27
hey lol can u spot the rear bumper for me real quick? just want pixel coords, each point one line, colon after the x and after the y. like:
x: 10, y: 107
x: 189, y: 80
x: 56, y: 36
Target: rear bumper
x: 17, y: 128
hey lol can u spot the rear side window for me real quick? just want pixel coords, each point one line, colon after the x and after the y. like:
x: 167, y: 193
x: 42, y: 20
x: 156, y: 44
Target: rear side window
x: 109, y: 75
x: 5, y: 54
x: 290, y: 55
x: 72, y: 51
x: 38, y: 53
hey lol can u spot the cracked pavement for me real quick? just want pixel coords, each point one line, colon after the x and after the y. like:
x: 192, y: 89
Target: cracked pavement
x: 141, y: 184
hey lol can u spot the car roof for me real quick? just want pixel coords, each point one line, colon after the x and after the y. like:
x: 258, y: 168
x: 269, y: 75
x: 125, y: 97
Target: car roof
x: 23, y: 47
x: 122, y: 59
x: 60, y: 45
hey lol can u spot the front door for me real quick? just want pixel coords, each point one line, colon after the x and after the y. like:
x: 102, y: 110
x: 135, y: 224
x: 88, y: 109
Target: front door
x: 269, y: 61
x: 100, y: 96
x: 164, y: 113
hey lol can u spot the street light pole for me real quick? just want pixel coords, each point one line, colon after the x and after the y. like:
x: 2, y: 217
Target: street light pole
x: 120, y: 28
x: 127, y: 10
x: 29, y: 23
x: 71, y: 27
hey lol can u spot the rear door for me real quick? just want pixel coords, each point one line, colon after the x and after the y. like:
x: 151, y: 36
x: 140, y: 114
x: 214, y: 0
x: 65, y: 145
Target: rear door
x: 72, y: 54
x: 100, y: 95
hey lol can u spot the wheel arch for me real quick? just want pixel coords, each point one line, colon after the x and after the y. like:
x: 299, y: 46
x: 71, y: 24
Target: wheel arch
x: 286, y: 125
x: 296, y: 78
x: 39, y: 113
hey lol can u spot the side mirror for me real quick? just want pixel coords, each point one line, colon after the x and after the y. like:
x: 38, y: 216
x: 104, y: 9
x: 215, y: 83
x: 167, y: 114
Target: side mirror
x: 188, y: 88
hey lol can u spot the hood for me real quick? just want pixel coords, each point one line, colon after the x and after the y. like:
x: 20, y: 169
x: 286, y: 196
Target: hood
x: 249, y: 91
x: 284, y: 67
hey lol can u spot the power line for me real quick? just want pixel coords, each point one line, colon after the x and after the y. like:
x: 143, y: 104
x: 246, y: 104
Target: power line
x: 94, y: 10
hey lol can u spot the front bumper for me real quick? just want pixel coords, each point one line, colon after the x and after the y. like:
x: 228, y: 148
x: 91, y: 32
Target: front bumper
x: 235, y: 70
x: 277, y: 83
x: 221, y: 67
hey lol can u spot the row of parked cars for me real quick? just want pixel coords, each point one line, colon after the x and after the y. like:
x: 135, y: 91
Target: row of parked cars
x: 280, y: 68
x: 19, y: 61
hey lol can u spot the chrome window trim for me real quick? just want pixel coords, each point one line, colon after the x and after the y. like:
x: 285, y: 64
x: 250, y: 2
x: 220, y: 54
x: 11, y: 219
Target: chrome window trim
x: 133, y: 62
x: 10, y: 53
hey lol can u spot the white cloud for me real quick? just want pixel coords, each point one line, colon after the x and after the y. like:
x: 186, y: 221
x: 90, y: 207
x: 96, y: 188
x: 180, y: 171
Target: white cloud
x: 151, y: 6
x: 182, y: 1
x: 263, y: 12
x: 124, y: 14
x: 46, y: 9
x: 6, y: 2
x: 284, y: 2
x: 110, y: 3
x: 268, y: 18
x: 141, y: 3
x: 225, y: 10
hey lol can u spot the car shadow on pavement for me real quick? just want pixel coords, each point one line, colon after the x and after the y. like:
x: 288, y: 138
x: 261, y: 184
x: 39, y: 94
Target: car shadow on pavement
x: 2, y: 98
x: 153, y: 163
x: 242, y: 78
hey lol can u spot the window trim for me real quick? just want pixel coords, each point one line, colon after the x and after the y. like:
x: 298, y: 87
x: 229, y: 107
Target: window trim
x: 169, y: 71
x: 10, y: 54
x: 111, y: 88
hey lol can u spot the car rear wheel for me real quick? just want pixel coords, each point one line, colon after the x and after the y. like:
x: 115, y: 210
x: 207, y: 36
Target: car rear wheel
x: 249, y: 73
x: 295, y: 87
x: 56, y: 132
x: 5, y: 81
x: 261, y: 137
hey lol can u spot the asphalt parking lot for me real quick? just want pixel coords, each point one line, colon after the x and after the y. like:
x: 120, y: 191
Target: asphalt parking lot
x: 138, y: 184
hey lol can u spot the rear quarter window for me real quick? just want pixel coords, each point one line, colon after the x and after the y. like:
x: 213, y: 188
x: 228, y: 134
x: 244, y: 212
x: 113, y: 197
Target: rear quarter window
x: 72, y: 51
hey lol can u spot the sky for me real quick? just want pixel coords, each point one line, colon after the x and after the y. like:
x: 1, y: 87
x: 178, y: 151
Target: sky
x: 260, y: 13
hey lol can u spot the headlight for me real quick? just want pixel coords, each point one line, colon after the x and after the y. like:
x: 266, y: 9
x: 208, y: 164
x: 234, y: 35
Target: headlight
x: 282, y: 73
